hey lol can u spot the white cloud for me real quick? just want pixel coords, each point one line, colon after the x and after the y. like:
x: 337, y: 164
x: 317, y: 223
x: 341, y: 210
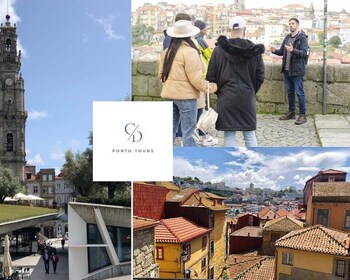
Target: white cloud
x: 37, y: 115
x: 199, y: 169
x: 265, y: 170
x: 107, y: 24
x: 306, y: 168
x: 57, y: 156
x: 36, y: 160
x: 248, y: 157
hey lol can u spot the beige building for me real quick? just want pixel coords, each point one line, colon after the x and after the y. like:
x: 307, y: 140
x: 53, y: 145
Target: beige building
x: 315, y: 252
x: 275, y: 229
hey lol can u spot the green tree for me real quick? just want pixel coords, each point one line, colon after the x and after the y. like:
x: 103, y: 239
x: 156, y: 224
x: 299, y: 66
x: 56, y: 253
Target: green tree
x: 335, y: 41
x: 77, y: 170
x: 9, y: 185
x: 140, y: 34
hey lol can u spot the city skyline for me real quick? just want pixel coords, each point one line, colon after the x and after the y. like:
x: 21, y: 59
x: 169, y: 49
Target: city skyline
x: 273, y: 168
x: 73, y: 53
x: 337, y: 5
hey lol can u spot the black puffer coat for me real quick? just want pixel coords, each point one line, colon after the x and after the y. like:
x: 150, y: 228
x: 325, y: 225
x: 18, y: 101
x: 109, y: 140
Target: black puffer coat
x: 238, y: 69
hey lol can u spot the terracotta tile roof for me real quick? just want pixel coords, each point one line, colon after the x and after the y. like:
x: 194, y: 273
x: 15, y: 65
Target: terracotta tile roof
x: 140, y: 223
x: 246, y: 213
x: 332, y: 171
x: 283, y: 224
x: 282, y: 212
x: 178, y: 230
x: 317, y: 239
x: 182, y: 195
x: 299, y: 214
x: 171, y: 194
x: 168, y: 185
x: 211, y: 195
x: 196, y: 200
x: 248, y: 231
x: 324, y: 189
x: 267, y: 213
x: 261, y: 270
x: 239, y: 263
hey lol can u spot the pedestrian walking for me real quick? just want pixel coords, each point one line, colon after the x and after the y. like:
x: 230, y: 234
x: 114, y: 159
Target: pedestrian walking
x: 54, y: 259
x: 63, y: 241
x: 237, y: 67
x: 181, y: 71
x: 294, y: 50
x: 46, y: 259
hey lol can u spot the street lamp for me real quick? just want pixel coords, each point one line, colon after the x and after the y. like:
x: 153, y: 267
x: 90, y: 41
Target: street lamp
x: 184, y: 256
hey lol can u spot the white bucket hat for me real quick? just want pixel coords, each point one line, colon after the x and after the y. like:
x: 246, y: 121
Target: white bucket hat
x: 182, y: 29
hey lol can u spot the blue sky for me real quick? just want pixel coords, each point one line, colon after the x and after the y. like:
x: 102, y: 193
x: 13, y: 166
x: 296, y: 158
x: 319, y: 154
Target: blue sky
x: 73, y: 53
x: 265, y: 167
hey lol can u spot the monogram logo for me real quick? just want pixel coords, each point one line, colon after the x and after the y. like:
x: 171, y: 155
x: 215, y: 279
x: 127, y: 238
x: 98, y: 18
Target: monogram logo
x: 134, y: 134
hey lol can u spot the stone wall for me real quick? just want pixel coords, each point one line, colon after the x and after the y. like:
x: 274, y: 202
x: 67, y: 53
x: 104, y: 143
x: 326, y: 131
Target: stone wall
x: 271, y: 98
x: 144, y: 259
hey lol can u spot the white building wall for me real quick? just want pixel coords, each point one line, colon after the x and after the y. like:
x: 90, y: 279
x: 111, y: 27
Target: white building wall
x: 78, y: 257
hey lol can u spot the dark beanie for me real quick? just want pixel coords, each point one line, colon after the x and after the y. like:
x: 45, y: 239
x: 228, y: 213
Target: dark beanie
x: 200, y: 24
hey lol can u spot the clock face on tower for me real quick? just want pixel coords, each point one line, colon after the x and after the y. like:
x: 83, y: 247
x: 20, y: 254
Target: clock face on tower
x: 9, y: 81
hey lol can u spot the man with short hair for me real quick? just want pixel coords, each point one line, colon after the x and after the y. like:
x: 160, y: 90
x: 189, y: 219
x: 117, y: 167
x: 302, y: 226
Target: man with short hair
x: 294, y: 50
x: 46, y: 258
x: 202, y: 44
x: 237, y: 67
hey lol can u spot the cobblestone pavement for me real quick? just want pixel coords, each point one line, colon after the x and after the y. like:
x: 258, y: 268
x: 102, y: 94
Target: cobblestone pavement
x: 271, y: 132
x: 36, y: 264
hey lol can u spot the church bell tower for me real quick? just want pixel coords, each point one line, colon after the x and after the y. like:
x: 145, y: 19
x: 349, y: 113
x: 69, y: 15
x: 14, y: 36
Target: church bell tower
x: 12, y: 114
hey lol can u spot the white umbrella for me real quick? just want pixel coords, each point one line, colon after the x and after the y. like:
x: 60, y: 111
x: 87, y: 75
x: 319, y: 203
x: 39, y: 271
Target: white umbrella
x: 21, y: 196
x: 7, y: 257
x: 10, y: 199
x: 33, y: 197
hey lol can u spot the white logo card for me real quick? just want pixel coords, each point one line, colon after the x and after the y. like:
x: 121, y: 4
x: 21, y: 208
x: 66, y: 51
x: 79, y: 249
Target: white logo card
x: 132, y: 141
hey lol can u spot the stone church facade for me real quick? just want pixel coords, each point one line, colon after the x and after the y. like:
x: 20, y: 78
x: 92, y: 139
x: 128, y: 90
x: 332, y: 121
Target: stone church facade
x: 12, y: 114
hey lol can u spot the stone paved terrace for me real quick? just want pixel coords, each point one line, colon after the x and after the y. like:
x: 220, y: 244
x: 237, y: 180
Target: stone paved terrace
x: 320, y: 130
x: 331, y: 130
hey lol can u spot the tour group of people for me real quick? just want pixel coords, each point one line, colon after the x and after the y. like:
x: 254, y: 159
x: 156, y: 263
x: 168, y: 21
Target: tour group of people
x: 234, y: 70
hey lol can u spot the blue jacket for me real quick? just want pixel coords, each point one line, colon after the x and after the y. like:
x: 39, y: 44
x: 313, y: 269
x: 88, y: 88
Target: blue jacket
x: 298, y: 58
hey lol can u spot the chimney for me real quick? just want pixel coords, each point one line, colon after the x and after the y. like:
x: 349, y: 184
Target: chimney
x: 248, y: 233
x: 214, y: 202
x: 200, y: 200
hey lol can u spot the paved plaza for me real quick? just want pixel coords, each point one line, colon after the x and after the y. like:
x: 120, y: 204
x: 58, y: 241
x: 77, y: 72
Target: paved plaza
x: 36, y: 267
x: 36, y: 264
x: 319, y: 131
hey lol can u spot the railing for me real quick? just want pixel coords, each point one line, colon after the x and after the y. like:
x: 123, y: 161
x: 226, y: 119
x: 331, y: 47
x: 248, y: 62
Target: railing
x: 114, y: 271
